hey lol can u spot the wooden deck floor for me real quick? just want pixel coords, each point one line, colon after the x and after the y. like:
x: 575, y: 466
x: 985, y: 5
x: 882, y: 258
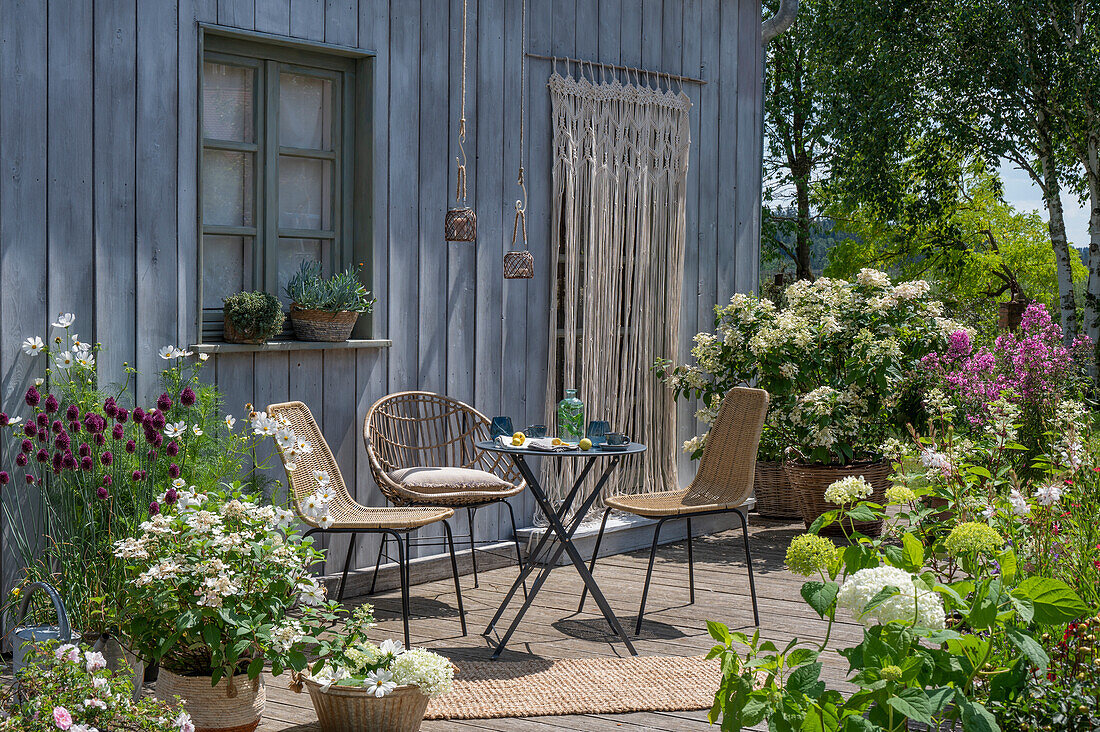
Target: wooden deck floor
x: 552, y: 629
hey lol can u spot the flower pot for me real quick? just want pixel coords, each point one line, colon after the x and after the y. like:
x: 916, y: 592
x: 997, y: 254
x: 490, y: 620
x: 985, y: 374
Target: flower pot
x: 233, y: 335
x: 775, y: 497
x: 1010, y: 313
x: 354, y: 709
x: 321, y: 325
x: 810, y: 481
x: 235, y: 707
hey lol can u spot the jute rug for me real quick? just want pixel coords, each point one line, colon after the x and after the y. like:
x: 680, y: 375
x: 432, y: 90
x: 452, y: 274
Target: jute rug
x: 488, y: 689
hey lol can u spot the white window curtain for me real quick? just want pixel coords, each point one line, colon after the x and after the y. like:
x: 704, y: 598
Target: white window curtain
x: 619, y: 177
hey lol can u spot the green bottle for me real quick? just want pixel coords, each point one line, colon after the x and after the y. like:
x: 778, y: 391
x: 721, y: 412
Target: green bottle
x: 570, y: 418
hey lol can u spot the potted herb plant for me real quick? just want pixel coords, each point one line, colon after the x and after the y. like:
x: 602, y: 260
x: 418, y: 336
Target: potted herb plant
x: 211, y: 582
x: 326, y: 309
x: 252, y: 317
x: 357, y: 685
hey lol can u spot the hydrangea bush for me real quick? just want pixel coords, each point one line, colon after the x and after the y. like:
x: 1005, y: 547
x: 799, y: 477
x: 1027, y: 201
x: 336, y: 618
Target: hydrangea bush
x: 69, y: 688
x: 101, y: 465
x: 831, y: 357
x: 350, y: 659
x: 217, y: 584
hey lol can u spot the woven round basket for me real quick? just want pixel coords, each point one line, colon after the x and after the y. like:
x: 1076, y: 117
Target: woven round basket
x: 775, y: 497
x: 519, y: 265
x: 321, y: 325
x: 212, y: 709
x: 810, y: 481
x: 460, y: 224
x: 355, y: 709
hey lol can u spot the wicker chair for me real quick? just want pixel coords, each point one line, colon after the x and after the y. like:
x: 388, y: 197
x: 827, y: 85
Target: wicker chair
x: 351, y: 517
x: 422, y: 453
x: 723, y: 484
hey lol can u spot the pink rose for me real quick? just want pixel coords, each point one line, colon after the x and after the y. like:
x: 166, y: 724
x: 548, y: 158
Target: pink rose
x: 62, y: 718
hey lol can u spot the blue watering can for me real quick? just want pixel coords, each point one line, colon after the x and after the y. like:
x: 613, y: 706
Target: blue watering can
x: 29, y: 634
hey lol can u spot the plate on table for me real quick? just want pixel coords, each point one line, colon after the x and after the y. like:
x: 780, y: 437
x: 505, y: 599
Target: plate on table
x: 612, y: 448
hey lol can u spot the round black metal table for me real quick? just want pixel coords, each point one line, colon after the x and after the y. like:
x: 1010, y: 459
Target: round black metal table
x: 544, y: 554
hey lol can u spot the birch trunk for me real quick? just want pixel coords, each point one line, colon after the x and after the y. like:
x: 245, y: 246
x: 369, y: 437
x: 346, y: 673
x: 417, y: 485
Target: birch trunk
x: 1056, y: 222
x: 1092, y: 295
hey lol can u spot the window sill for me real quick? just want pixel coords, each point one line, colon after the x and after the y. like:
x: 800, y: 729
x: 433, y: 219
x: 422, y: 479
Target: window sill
x: 272, y: 346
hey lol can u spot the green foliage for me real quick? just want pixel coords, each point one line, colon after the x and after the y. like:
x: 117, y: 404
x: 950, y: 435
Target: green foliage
x: 309, y: 290
x: 255, y: 314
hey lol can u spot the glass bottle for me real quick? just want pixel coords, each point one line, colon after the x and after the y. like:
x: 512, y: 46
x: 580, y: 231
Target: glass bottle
x: 570, y: 418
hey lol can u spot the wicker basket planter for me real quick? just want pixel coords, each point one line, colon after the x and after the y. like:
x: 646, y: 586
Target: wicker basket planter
x: 214, y: 709
x: 810, y: 481
x: 321, y: 325
x: 355, y: 709
x: 233, y: 335
x: 775, y: 497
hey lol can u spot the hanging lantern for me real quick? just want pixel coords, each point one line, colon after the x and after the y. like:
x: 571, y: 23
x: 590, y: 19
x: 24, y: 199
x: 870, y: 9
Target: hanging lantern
x: 519, y: 264
x: 460, y: 224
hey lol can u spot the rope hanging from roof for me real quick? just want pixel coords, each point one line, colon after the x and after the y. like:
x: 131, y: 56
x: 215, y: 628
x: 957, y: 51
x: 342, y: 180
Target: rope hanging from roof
x: 461, y: 221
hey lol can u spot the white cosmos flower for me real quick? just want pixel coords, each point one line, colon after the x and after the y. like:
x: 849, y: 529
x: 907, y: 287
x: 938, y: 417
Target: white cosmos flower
x: 312, y: 506
x: 291, y: 466
x: 65, y: 359
x: 204, y: 356
x: 85, y: 359
x: 285, y: 439
x: 175, y: 429
x: 326, y: 521
x: 168, y: 353
x: 197, y: 430
x: 304, y: 447
x: 229, y: 419
x: 64, y: 320
x: 325, y: 493
x: 379, y: 682
x: 283, y: 517
x: 39, y: 381
x: 14, y: 421
x: 390, y: 647
x: 179, y: 484
x: 33, y: 346
x: 321, y: 476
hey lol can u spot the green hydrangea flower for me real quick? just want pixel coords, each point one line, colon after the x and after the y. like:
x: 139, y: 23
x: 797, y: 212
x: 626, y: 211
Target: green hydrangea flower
x: 900, y: 494
x: 973, y: 537
x: 891, y: 673
x: 810, y: 554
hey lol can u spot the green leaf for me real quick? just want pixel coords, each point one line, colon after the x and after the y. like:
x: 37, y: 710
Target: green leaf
x: 913, y: 551
x: 1025, y: 608
x: 979, y: 470
x: 1007, y: 560
x: 975, y: 717
x: 800, y: 656
x: 256, y: 667
x: 983, y: 614
x: 211, y: 635
x: 719, y: 632
x: 940, y: 698
x: 820, y: 596
x: 1054, y: 601
x: 1029, y: 647
x: 861, y: 512
x: 913, y: 703
x: 804, y: 680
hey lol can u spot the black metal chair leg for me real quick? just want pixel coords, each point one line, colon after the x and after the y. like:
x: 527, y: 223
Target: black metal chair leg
x: 378, y: 562
x: 515, y: 536
x: 748, y: 561
x: 347, y: 563
x: 401, y: 565
x: 473, y: 549
x: 691, y: 566
x: 454, y: 571
x: 595, y: 553
x: 648, y: 575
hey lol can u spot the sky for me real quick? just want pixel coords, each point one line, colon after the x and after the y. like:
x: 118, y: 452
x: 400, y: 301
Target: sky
x: 1025, y: 196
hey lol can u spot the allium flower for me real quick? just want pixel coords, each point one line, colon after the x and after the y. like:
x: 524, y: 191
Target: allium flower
x: 172, y: 449
x: 4, y: 477
x: 29, y: 429
x: 900, y: 494
x: 21, y: 459
x: 26, y: 446
x: 118, y: 432
x: 101, y: 491
x: 84, y: 450
x: 64, y: 320
x: 911, y: 605
x: 42, y: 455
x: 107, y: 457
x: 379, y: 682
x: 68, y: 460
x: 810, y: 554
x: 187, y: 396
x: 171, y: 496
x: 72, y: 413
x: 848, y: 490
x: 51, y: 405
x: 29, y: 479
x: 33, y: 346
x: 139, y: 415
x: 154, y: 508
x: 123, y: 415
x: 32, y: 397
x: 86, y: 462
x: 1048, y: 494
x: 164, y: 402
x: 971, y: 537
x: 110, y: 407
x: 131, y: 446
x: 173, y: 471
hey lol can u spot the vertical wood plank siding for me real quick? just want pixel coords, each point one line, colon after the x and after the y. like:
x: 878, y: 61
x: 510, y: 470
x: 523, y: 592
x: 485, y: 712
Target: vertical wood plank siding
x: 99, y: 197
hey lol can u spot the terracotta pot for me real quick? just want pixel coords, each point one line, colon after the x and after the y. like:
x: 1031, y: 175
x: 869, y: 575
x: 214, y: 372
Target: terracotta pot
x: 233, y: 335
x: 354, y: 709
x: 222, y: 708
x: 810, y: 481
x: 322, y: 325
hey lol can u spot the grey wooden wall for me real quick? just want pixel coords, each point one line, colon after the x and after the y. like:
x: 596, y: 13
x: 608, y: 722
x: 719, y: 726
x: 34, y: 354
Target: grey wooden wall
x: 98, y: 108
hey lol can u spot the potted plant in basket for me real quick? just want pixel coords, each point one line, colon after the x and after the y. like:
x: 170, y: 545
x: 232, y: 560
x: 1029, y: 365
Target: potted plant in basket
x: 252, y: 317
x: 832, y: 356
x: 357, y: 685
x: 212, y: 584
x: 326, y: 309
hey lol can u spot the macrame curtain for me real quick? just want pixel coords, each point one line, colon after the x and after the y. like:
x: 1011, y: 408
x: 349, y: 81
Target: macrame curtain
x: 619, y: 179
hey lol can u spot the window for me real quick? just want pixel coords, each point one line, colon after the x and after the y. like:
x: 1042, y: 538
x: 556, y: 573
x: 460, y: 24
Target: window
x: 285, y: 134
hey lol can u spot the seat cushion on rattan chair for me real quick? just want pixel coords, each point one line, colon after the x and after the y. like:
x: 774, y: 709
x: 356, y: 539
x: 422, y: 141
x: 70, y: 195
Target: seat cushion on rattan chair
x: 436, y: 481
x: 667, y: 503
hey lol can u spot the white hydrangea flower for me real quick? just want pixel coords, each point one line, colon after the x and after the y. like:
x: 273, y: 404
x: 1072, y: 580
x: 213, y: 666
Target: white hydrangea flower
x: 873, y: 278
x: 695, y: 443
x: 431, y: 672
x: 912, y: 604
x: 848, y: 490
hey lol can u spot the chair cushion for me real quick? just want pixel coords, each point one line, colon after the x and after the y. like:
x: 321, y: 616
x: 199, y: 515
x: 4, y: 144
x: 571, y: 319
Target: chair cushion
x: 448, y: 480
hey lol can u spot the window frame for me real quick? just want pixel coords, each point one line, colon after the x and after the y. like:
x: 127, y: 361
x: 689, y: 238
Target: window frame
x: 350, y: 237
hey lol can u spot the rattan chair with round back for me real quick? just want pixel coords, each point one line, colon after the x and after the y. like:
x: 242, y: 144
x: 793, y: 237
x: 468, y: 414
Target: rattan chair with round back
x: 348, y: 515
x: 723, y: 484
x: 422, y: 452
